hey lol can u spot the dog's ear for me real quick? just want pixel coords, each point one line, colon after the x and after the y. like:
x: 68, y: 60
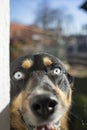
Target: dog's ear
x: 70, y: 79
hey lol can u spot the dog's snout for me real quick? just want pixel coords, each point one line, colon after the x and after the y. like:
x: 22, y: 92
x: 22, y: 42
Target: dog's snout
x: 43, y: 105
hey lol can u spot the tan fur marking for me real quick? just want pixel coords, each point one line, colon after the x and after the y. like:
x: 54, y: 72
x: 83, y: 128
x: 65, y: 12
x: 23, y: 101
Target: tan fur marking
x: 16, y: 105
x: 47, y: 61
x: 66, y: 101
x: 17, y: 102
x: 27, y: 64
x: 64, y: 123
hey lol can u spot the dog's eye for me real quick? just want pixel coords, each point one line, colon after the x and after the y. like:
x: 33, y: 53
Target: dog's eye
x: 57, y: 71
x: 18, y: 75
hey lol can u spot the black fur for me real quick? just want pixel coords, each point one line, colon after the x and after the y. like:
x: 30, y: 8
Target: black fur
x: 17, y: 86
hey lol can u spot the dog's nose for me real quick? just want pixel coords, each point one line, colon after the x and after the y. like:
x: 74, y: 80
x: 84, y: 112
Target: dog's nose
x: 43, y: 105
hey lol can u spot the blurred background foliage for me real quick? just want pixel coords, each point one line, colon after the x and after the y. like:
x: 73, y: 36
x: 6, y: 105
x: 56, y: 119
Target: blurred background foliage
x: 53, y: 31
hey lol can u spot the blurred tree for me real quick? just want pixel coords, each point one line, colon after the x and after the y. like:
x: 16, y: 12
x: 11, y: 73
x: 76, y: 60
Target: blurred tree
x: 68, y: 23
x: 51, y: 20
x: 84, y: 29
x: 42, y: 12
x: 47, y: 17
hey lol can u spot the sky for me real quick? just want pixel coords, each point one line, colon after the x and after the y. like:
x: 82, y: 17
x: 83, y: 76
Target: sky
x: 24, y: 11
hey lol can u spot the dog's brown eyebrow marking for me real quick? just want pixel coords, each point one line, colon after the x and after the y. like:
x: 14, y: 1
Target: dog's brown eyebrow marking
x: 27, y: 63
x: 47, y: 61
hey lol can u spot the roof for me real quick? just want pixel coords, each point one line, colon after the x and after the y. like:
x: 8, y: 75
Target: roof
x: 15, y: 27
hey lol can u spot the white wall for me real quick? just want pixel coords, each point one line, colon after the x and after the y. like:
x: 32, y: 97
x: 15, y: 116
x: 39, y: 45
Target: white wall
x: 4, y: 64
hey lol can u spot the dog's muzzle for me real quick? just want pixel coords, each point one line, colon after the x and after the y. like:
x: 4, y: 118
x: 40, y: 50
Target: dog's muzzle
x: 44, y: 105
x: 42, y: 109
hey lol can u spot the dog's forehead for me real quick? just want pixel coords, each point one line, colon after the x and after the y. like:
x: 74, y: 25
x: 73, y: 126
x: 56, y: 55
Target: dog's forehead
x: 38, y: 61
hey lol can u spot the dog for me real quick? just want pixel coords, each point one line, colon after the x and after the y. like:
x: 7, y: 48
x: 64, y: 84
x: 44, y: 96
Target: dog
x: 41, y: 93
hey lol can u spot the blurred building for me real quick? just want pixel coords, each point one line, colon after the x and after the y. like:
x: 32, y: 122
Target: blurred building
x: 29, y: 39
x: 77, y: 49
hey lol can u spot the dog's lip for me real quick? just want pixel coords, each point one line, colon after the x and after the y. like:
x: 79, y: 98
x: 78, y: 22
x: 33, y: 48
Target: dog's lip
x: 49, y: 126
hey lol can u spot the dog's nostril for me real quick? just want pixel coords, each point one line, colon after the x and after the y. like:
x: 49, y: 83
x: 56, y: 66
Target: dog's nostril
x: 52, y: 104
x: 36, y: 106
